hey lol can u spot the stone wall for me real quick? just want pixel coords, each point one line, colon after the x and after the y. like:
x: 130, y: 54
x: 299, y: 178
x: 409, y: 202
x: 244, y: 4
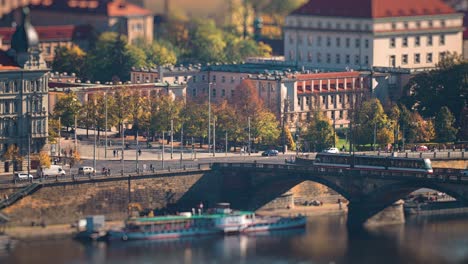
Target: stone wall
x: 68, y: 202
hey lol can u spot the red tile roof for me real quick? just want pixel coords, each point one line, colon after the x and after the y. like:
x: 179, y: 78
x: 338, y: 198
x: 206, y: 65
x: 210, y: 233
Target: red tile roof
x: 125, y: 9
x: 48, y: 33
x: 327, y: 75
x: 116, y: 8
x: 374, y: 8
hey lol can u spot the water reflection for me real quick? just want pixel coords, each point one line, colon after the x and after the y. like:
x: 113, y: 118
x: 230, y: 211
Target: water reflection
x: 326, y: 240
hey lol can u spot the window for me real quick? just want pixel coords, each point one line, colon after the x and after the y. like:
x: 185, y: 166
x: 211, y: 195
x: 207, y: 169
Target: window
x: 357, y: 43
x: 213, y: 92
x: 393, y: 26
x: 338, y: 25
x: 291, y: 55
x: 307, y: 100
x: 442, y: 40
x: 417, y: 58
x: 319, y: 58
x: 366, y: 58
x: 392, y: 61
x: 232, y: 93
x: 442, y: 23
x: 338, y: 41
x: 341, y: 114
x: 328, y: 41
x: 299, y: 39
x: 429, y: 58
x: 338, y: 59
x: 429, y: 40
x: 357, y: 60
x: 223, y: 79
x: 319, y: 24
x: 392, y: 42
x: 348, y: 26
x: 291, y: 39
x: 328, y: 58
x: 214, y: 78
x: 348, y: 41
x: 348, y: 59
x: 430, y: 24
x: 404, y: 59
x: 309, y: 56
x: 418, y: 24
x: 309, y: 40
x: 405, y: 42
x: 233, y: 79
x: 405, y: 25
x: 194, y: 79
x: 417, y: 41
x: 223, y: 92
x: 319, y: 41
x: 366, y: 43
x: 441, y: 56
x: 194, y: 92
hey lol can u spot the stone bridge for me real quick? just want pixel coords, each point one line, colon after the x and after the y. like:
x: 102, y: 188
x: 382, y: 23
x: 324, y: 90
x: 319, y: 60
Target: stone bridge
x: 245, y: 185
x: 368, y: 192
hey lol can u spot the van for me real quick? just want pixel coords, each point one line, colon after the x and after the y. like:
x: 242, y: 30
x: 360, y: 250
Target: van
x: 85, y: 170
x: 53, y: 170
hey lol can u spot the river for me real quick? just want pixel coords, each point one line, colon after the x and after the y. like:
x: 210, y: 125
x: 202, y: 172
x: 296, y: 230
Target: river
x: 325, y: 240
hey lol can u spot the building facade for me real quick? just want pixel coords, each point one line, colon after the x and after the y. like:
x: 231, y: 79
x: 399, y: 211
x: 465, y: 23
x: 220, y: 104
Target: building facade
x: 363, y: 34
x: 23, y: 96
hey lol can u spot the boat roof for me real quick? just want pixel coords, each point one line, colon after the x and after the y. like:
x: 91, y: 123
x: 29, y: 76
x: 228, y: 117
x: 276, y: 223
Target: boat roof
x: 181, y: 217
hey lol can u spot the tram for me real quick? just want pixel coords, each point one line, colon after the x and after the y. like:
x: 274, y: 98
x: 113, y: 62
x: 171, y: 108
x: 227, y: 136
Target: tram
x: 365, y: 162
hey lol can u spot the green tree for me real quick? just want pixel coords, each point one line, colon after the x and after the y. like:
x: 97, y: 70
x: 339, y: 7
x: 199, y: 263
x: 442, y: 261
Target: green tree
x: 113, y: 58
x: 266, y: 128
x: 207, y: 42
x: 158, y: 53
x: 67, y: 108
x: 444, y: 129
x: 167, y: 108
x: 54, y: 130
x: 428, y: 92
x: 289, y: 139
x: 372, y: 120
x: 119, y: 109
x: 195, y: 117
x: 319, y: 132
x: 69, y: 59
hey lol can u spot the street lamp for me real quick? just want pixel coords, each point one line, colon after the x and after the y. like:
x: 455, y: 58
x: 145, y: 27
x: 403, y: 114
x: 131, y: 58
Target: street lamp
x: 105, y: 130
x: 209, y: 116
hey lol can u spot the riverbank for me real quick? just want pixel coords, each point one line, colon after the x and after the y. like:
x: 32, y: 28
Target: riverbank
x: 66, y: 230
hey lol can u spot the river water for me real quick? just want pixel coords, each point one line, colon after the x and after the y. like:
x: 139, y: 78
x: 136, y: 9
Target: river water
x: 325, y: 240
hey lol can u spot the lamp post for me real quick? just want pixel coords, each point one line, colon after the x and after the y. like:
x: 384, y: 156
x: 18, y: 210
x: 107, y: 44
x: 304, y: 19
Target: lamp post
x: 123, y: 142
x: 172, y: 137
x: 105, y: 130
x: 162, y: 155
x: 209, y: 116
x: 249, y: 134
x: 214, y: 136
x: 94, y: 148
x: 137, y: 152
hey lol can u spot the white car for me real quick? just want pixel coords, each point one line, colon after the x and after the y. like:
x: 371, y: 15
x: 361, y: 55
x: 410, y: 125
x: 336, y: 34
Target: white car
x: 23, y: 176
x: 331, y: 150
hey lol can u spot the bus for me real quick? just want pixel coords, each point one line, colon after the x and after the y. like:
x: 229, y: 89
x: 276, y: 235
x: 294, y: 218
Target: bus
x: 366, y: 162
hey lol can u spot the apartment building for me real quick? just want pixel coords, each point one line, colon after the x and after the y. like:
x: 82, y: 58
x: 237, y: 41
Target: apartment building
x: 362, y: 34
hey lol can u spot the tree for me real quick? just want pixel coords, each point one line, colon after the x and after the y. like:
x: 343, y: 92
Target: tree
x: 289, y: 139
x: 195, y: 117
x: 113, y: 58
x: 158, y: 53
x: 67, y: 108
x: 207, y: 42
x: 69, y: 59
x: 444, y: 122
x: 372, y: 120
x: 319, y: 132
x: 166, y: 109
x: 119, y: 109
x: 54, y: 130
x: 44, y: 160
x: 266, y: 128
x: 428, y: 92
x: 13, y: 154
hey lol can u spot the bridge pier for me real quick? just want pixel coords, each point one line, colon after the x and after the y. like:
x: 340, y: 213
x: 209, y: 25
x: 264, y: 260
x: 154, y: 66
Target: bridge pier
x: 368, y: 214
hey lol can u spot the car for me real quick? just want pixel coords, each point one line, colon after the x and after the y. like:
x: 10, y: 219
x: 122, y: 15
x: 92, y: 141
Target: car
x: 421, y: 148
x: 86, y: 170
x: 270, y: 152
x: 465, y: 172
x: 331, y: 150
x: 23, y: 176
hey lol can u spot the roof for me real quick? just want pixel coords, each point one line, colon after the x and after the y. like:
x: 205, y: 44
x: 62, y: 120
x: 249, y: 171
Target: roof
x: 116, y: 8
x: 50, y: 33
x: 374, y: 8
x: 7, y: 62
x: 327, y: 75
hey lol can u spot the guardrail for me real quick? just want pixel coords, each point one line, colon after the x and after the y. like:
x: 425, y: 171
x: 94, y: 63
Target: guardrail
x: 20, y: 194
x: 445, y: 175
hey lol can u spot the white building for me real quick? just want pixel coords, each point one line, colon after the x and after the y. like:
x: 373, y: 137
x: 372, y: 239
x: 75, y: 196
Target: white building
x: 361, y: 34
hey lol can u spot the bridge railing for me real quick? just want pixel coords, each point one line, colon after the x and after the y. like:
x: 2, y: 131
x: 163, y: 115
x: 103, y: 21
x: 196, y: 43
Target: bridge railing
x: 446, y: 175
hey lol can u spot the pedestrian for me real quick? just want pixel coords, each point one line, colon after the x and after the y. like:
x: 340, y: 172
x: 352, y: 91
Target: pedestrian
x: 339, y: 204
x: 114, y: 153
x: 200, y: 206
x: 139, y: 152
x: 108, y: 171
x: 144, y: 167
